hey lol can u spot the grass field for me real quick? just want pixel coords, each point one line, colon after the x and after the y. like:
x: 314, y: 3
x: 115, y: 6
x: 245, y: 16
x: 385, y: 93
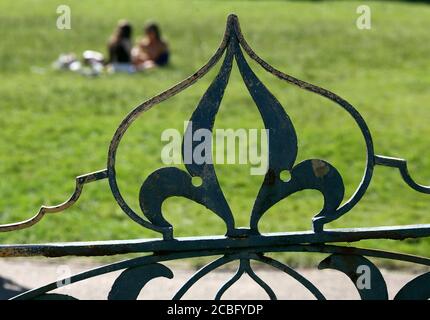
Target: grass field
x: 57, y: 125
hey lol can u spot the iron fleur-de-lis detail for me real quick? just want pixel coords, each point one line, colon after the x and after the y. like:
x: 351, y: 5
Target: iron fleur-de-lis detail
x: 158, y: 186
x: 310, y: 174
x: 282, y: 141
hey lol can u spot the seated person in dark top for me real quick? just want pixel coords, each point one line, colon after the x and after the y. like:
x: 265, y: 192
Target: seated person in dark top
x: 119, y: 48
x: 152, y: 50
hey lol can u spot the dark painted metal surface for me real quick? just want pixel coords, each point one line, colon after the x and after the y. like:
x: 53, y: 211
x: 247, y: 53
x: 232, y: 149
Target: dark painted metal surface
x: 239, y: 245
x: 377, y: 288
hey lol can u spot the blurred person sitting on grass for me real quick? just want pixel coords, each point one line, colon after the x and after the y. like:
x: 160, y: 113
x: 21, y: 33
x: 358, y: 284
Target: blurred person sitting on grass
x: 119, y: 49
x: 152, y: 50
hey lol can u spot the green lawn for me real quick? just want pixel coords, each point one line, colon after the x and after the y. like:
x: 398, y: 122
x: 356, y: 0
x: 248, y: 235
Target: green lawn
x: 56, y: 125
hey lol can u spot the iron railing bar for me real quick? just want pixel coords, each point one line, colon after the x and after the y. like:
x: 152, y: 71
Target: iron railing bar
x: 114, y: 247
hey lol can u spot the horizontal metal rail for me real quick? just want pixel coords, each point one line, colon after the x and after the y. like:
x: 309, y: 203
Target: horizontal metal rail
x: 114, y: 247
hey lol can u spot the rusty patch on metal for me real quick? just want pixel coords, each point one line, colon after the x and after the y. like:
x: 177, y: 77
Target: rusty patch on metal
x: 320, y: 168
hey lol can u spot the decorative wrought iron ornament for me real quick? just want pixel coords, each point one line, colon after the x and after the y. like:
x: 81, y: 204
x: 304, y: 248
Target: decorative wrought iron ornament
x: 238, y: 244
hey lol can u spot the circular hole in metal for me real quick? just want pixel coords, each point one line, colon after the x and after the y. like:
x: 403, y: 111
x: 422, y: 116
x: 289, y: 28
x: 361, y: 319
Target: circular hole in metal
x: 285, y: 175
x: 196, y: 181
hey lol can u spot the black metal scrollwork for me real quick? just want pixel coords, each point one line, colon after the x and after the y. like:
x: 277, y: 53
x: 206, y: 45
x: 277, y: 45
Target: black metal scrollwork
x: 309, y: 174
x: 241, y: 245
